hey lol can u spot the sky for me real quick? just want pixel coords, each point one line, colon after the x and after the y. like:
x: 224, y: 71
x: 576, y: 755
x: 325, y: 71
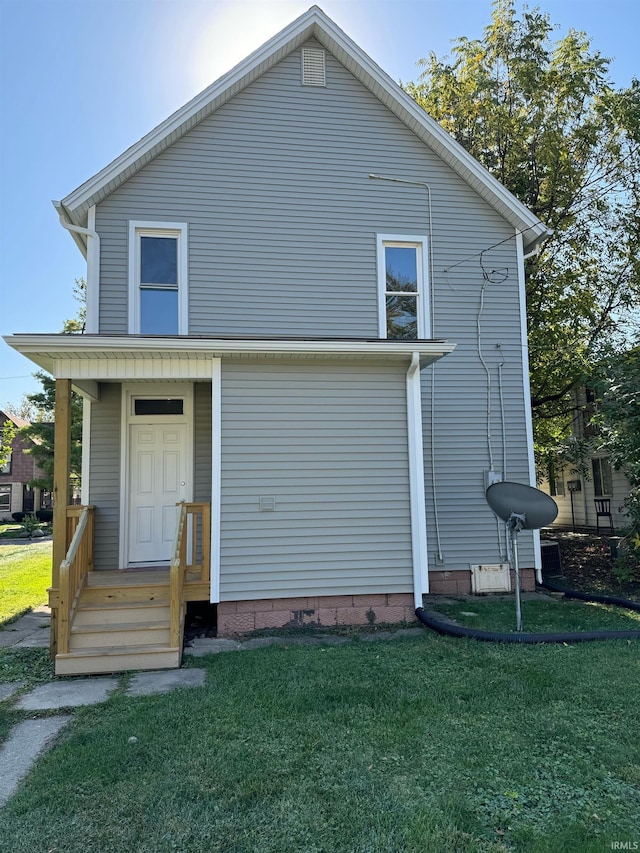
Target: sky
x: 82, y: 80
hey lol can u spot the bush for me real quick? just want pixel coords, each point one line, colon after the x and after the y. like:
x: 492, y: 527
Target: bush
x: 18, y: 516
x: 44, y: 515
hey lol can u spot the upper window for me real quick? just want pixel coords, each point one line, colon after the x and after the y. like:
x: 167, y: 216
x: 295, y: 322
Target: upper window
x: 158, y: 278
x: 602, y: 476
x: 402, y: 278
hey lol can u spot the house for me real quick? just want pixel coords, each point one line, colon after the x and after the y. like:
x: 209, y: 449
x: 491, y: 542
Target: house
x: 306, y: 325
x: 581, y: 490
x: 15, y: 475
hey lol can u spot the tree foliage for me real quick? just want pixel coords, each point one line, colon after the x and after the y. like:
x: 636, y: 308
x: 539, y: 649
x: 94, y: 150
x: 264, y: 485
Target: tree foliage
x: 7, y: 434
x: 41, y: 431
x: 618, y: 389
x: 544, y: 119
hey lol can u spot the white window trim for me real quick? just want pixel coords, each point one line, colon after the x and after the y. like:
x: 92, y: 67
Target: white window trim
x: 422, y: 267
x: 139, y: 229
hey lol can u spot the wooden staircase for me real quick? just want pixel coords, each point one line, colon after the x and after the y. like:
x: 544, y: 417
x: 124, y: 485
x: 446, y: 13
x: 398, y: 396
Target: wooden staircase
x: 121, y: 622
x: 125, y: 620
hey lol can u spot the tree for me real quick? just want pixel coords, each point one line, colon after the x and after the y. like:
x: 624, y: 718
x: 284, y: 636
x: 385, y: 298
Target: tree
x: 7, y: 434
x: 544, y: 119
x: 618, y: 389
x: 42, y: 431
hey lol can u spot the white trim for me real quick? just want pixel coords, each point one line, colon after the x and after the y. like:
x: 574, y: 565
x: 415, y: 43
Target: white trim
x: 419, y: 550
x: 312, y: 24
x: 216, y: 477
x: 129, y: 391
x: 526, y: 388
x: 88, y: 389
x: 147, y: 357
x: 103, y: 369
x: 92, y: 324
x: 86, y: 451
x: 419, y: 242
x: 179, y: 230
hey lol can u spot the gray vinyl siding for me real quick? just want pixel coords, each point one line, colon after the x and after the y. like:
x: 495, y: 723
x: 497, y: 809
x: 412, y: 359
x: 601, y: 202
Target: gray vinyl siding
x: 282, y: 219
x: 104, y: 484
x: 463, y: 397
x: 329, y: 443
x: 281, y: 211
x: 202, y: 441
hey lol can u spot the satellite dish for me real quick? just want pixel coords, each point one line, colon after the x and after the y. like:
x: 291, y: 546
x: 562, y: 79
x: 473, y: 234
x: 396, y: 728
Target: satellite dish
x: 521, y: 508
x: 533, y: 508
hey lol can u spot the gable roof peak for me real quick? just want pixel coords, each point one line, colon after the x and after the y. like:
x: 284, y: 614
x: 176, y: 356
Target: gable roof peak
x: 314, y: 23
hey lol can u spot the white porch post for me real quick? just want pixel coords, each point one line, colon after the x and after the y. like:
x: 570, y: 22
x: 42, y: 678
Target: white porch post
x: 216, y: 472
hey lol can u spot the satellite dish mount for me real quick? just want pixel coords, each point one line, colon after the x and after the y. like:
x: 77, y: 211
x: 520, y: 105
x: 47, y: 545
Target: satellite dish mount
x: 521, y: 508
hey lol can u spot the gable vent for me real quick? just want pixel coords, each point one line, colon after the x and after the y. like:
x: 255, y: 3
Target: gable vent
x: 313, y: 67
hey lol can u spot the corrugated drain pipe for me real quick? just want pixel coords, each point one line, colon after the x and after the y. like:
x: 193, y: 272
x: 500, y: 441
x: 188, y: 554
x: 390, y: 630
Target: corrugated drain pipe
x: 442, y: 625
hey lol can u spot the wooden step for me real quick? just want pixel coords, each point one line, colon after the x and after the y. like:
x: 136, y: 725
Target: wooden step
x: 132, y: 594
x: 100, y: 660
x: 119, y: 635
x: 116, y: 613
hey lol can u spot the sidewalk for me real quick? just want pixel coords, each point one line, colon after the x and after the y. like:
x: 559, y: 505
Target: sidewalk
x: 30, y: 631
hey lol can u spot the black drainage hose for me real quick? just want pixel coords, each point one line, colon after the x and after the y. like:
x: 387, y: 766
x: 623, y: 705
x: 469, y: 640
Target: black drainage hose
x: 445, y: 626
x: 591, y: 596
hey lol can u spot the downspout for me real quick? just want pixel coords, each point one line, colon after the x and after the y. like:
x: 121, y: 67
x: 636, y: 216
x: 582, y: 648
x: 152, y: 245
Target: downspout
x: 416, y: 482
x: 93, y: 263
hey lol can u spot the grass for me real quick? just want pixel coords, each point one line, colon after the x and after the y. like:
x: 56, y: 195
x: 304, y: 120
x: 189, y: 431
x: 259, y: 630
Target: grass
x: 12, y: 530
x: 417, y: 744
x: 539, y: 614
x: 25, y: 574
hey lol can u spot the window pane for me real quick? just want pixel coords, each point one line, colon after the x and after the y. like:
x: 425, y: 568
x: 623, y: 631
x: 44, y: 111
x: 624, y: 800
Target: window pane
x: 158, y: 260
x: 5, y: 498
x: 602, y: 477
x: 158, y: 407
x: 402, y: 317
x: 158, y: 311
x: 401, y: 266
x: 607, y: 477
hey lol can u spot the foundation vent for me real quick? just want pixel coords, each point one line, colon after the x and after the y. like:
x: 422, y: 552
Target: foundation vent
x: 313, y: 71
x: 490, y: 578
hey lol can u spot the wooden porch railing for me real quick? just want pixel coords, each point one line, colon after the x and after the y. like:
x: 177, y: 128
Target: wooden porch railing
x: 74, y: 569
x: 191, y: 560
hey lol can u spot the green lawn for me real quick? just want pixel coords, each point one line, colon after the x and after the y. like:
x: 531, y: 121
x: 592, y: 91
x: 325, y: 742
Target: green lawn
x: 421, y: 744
x: 25, y: 574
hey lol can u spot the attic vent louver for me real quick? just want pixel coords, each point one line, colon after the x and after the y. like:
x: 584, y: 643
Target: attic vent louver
x: 313, y: 67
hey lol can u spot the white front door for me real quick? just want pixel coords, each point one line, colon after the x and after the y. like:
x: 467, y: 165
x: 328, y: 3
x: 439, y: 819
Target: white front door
x: 158, y: 477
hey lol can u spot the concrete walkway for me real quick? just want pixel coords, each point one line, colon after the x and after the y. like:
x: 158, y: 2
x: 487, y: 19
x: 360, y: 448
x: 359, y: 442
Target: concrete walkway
x: 30, y: 631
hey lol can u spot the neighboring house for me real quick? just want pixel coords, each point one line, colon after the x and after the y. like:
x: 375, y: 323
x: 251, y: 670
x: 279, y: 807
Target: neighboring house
x: 20, y: 469
x: 305, y: 318
x: 579, y: 496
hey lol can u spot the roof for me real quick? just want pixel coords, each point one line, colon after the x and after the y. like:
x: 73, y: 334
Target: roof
x: 312, y: 24
x: 94, y: 356
x: 15, y: 420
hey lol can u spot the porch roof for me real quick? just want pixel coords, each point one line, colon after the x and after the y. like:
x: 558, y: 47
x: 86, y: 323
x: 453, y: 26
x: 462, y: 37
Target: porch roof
x: 99, y: 357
